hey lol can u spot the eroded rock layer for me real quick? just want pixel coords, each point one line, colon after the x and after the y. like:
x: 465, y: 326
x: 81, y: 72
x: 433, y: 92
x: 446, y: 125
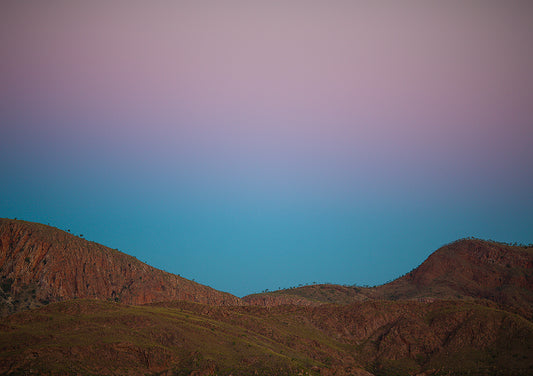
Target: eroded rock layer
x: 41, y: 264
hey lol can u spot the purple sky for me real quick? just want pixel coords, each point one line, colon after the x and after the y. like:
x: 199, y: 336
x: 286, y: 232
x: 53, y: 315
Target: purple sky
x: 260, y: 146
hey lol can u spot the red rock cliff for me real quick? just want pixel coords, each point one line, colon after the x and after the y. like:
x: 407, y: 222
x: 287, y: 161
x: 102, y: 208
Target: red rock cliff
x: 41, y: 263
x: 470, y: 268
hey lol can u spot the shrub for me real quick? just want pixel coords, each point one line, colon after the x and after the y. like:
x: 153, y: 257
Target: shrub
x: 6, y: 284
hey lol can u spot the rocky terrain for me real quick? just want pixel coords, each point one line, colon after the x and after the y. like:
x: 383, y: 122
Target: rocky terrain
x: 470, y: 268
x: 71, y: 306
x: 41, y: 264
x: 181, y: 338
x: 465, y: 269
x: 310, y: 295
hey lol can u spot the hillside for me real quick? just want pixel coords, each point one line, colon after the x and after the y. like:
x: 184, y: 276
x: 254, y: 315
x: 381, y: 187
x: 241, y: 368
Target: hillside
x: 470, y: 268
x: 182, y: 338
x: 309, y: 295
x: 41, y: 264
x: 465, y: 269
x: 108, y: 313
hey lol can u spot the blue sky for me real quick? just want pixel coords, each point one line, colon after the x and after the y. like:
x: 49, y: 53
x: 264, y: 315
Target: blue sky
x: 255, y: 147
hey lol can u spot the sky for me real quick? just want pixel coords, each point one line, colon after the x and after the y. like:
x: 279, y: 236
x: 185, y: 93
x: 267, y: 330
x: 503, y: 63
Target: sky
x: 262, y: 145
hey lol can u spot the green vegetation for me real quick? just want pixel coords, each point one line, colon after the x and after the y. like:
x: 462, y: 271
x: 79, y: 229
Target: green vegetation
x: 6, y: 284
x: 105, y: 335
x: 319, y: 294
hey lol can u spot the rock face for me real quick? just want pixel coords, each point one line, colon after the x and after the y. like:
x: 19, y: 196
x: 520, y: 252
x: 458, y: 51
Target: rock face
x: 41, y: 264
x: 470, y: 268
x: 465, y: 269
x: 454, y: 314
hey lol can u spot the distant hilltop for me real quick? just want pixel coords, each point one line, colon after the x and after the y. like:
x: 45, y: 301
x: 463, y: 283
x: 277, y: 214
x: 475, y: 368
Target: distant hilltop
x: 465, y: 269
x: 42, y: 264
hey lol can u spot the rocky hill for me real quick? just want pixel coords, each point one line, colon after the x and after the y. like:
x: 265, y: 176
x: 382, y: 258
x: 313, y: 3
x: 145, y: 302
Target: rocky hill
x: 470, y: 268
x: 110, y: 314
x: 465, y: 269
x: 41, y: 264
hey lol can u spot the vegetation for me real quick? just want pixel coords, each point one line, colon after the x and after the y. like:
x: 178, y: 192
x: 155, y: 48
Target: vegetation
x: 97, y: 337
x: 467, y: 310
x: 510, y: 244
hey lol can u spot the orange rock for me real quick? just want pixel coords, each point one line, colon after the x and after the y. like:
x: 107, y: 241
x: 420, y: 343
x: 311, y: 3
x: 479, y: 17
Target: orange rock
x: 60, y: 266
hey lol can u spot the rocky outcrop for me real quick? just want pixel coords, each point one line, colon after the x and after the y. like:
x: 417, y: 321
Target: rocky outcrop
x: 474, y: 265
x: 465, y: 269
x: 470, y: 268
x: 448, y: 318
x: 308, y: 296
x: 40, y: 264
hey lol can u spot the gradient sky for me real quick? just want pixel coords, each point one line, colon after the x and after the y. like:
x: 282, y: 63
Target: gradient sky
x: 253, y: 145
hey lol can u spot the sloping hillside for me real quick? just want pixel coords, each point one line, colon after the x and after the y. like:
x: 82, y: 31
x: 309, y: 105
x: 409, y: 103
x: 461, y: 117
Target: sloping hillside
x: 309, y: 295
x: 465, y: 269
x: 182, y: 338
x: 470, y: 268
x: 454, y: 314
x: 41, y: 264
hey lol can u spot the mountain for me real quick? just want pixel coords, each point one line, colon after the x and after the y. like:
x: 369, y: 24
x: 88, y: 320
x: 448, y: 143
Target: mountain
x: 470, y: 268
x: 76, y: 307
x: 465, y: 269
x: 41, y: 264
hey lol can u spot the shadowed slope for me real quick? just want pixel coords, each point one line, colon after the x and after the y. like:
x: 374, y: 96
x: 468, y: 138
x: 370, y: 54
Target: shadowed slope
x: 183, y: 338
x: 41, y: 264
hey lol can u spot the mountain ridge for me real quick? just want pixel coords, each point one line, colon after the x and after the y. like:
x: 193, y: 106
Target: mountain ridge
x: 42, y: 264
x: 464, y: 269
x: 75, y: 316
